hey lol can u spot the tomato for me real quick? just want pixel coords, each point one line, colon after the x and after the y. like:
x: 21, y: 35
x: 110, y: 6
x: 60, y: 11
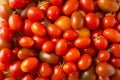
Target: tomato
x: 9, y: 78
x: 103, y: 56
x: 24, y: 53
x: 105, y: 69
x: 70, y: 35
x: 111, y: 35
x: 58, y: 73
x: 4, y: 66
x: 42, y: 78
x: 4, y: 24
x: 108, y: 21
x: 92, y: 22
x: 45, y: 70
x: 44, y: 5
x: 15, y: 69
x: 72, y: 55
x: 115, y: 47
x: 82, y: 42
x: 115, y: 62
x: 118, y: 17
x: 61, y: 47
x: 5, y: 11
x: 100, y: 42
x: 50, y: 58
x: 84, y: 62
x: 27, y: 77
x: 1, y: 75
x: 15, y: 22
x: 38, y: 29
x: 63, y: 22
x: 87, y: 5
x: 77, y: 20
x: 53, y: 30
x: 5, y: 55
x: 116, y: 75
x: 103, y: 78
x: 35, y: 14
x: 97, y: 33
x: 69, y: 67
x: 29, y: 64
x: 57, y: 2
x: 26, y: 42
x: 73, y: 76
x: 26, y: 29
x: 6, y: 33
x: 70, y: 6
x: 53, y: 12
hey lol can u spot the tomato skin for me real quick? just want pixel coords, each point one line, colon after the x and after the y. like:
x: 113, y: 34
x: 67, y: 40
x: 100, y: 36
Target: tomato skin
x: 27, y: 77
x: 70, y: 35
x: 4, y: 24
x: 15, y: 69
x: 29, y: 64
x: 38, y: 29
x: 9, y: 78
x: 103, y: 78
x: 58, y: 73
x: 35, y: 14
x: 73, y: 76
x: 1, y: 75
x: 57, y: 2
x: 26, y: 42
x: 82, y: 42
x: 53, y: 12
x: 53, y: 30
x: 42, y: 78
x: 72, y: 55
x: 97, y: 33
x: 70, y: 6
x: 87, y: 5
x: 61, y: 47
x: 15, y: 22
x: 4, y: 66
x: 108, y: 22
x: 111, y: 35
x: 45, y: 70
x: 116, y: 75
x: 115, y: 62
x: 92, y: 22
x: 84, y: 62
x: 69, y: 67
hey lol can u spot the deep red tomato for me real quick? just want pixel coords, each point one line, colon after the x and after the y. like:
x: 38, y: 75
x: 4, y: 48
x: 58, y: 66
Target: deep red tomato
x: 72, y: 55
x: 87, y: 5
x: 28, y: 77
x: 92, y: 22
x: 69, y: 68
x: 26, y: 42
x: 53, y: 30
x: 82, y: 42
x: 115, y: 62
x: 1, y: 75
x: 70, y: 35
x: 29, y: 64
x: 6, y: 33
x: 108, y: 21
x: 15, y: 69
x: 84, y: 62
x: 57, y: 2
x: 45, y: 70
x: 70, y: 6
x: 61, y: 47
x: 15, y: 22
x: 35, y: 14
x: 58, y: 73
x: 38, y: 29
x: 53, y: 12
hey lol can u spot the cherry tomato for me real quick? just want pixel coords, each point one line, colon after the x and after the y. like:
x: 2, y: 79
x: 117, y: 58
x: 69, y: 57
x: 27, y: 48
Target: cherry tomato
x: 53, y: 12
x: 96, y: 33
x: 84, y: 62
x: 45, y: 70
x: 103, y: 78
x: 35, y: 14
x: 57, y: 2
x: 82, y: 42
x: 4, y: 66
x: 29, y: 64
x: 92, y: 22
x: 73, y: 76
x: 115, y: 62
x: 116, y: 75
x: 4, y: 24
x: 27, y: 77
x: 15, y: 22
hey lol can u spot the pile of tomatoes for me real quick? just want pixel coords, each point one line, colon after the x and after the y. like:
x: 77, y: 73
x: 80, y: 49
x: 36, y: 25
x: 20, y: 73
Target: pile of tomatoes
x: 59, y: 40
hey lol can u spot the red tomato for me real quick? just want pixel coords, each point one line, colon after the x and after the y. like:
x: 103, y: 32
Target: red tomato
x: 9, y: 78
x: 28, y: 77
x: 4, y: 66
x: 87, y: 5
x: 82, y: 42
x: 57, y: 2
x: 61, y: 47
x: 72, y: 55
x: 42, y: 78
x: 38, y: 29
x: 96, y: 33
x: 115, y: 62
x: 70, y: 6
x: 92, y: 22
x: 15, y: 22
x: 45, y: 70
x: 70, y: 35
x: 35, y: 14
x: 53, y: 12
x: 84, y: 62
x: 4, y: 24
x: 74, y: 76
x: 69, y: 67
x: 1, y: 75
